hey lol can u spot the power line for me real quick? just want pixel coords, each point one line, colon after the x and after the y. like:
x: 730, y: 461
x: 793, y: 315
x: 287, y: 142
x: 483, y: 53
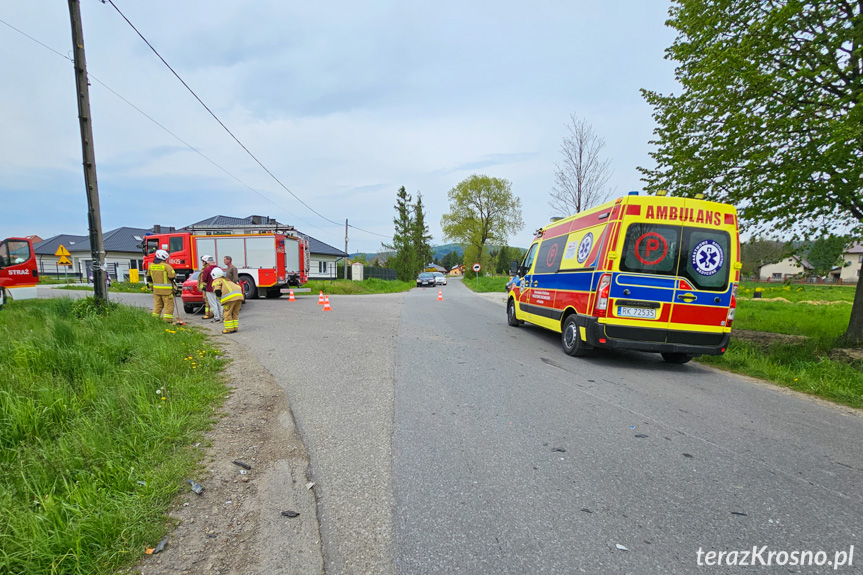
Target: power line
x: 111, y: 2
x: 178, y: 138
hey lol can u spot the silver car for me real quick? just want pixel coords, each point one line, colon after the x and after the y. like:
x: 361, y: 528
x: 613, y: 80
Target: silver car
x: 439, y: 279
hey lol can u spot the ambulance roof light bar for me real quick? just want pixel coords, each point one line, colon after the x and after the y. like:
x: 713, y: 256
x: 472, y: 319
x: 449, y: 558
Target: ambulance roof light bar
x: 661, y: 192
x: 633, y: 193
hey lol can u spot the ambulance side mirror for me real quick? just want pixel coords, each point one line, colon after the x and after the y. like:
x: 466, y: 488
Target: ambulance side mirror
x: 513, y: 269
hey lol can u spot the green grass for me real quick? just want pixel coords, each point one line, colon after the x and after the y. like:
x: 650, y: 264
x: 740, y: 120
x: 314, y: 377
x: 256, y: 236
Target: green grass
x: 99, y: 412
x: 120, y: 287
x: 804, y: 366
x: 349, y: 287
x: 487, y: 284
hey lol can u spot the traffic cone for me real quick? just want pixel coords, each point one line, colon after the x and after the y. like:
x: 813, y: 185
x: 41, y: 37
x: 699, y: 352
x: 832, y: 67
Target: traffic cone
x: 440, y: 295
x: 327, y: 304
x: 321, y: 298
x: 291, y: 296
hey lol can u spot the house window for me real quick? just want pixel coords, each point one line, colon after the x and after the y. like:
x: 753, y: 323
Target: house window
x: 322, y: 267
x: 136, y: 264
x: 777, y: 276
x: 860, y: 259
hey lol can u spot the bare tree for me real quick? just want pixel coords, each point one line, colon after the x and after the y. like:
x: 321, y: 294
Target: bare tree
x: 581, y: 177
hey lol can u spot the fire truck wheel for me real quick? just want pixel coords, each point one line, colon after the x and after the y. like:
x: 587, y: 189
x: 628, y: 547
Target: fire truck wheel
x: 572, y: 344
x: 678, y: 358
x: 511, y: 319
x: 249, y: 289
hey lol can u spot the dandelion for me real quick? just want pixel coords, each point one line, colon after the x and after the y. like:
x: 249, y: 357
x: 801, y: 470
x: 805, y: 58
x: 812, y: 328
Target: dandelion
x: 158, y: 392
x: 164, y: 398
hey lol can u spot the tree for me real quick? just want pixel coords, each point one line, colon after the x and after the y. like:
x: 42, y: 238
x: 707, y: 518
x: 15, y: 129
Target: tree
x: 482, y: 210
x: 760, y: 251
x: 826, y: 254
x: 403, y: 259
x: 581, y: 177
x: 450, y: 260
x: 420, y: 236
x: 767, y: 118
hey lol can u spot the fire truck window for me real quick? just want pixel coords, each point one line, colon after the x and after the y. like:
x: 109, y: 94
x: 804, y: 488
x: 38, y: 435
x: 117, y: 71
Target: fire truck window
x: 152, y: 246
x: 651, y: 249
x: 175, y: 244
x: 19, y: 252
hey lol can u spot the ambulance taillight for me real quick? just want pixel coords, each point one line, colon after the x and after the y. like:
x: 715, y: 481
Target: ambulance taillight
x: 732, y: 307
x: 602, y: 290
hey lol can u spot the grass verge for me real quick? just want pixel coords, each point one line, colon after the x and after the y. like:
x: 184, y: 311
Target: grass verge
x: 486, y: 284
x: 100, y: 408
x: 349, y: 287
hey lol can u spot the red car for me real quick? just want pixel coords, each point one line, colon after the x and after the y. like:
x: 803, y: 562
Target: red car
x: 192, y: 298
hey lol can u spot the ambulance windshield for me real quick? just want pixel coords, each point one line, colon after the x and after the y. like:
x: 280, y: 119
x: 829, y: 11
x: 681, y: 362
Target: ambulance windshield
x: 698, y: 254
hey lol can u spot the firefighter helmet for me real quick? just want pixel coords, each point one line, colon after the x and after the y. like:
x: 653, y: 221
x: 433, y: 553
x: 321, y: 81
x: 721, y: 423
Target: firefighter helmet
x: 217, y: 273
x: 208, y: 258
x: 161, y: 255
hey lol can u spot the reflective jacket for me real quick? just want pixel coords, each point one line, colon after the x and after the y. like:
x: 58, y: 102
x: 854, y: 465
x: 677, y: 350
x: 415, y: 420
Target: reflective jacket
x: 162, y: 274
x: 230, y: 290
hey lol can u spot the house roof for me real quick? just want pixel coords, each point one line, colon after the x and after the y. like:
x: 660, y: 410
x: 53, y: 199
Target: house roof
x: 232, y: 221
x: 49, y: 247
x: 319, y: 247
x: 854, y: 249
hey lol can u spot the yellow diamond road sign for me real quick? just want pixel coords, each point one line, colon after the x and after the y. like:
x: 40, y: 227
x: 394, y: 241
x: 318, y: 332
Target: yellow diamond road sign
x: 64, y: 261
x: 62, y: 251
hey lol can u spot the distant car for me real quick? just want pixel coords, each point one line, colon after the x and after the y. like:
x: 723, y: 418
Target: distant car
x: 426, y: 279
x: 439, y: 278
x: 192, y: 298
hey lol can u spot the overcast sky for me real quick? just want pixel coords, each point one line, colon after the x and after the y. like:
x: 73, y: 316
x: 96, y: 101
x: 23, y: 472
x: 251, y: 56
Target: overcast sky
x: 344, y: 102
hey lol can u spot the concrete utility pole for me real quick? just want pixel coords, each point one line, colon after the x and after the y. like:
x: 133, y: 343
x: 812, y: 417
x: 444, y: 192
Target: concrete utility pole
x: 97, y: 248
x: 346, y: 248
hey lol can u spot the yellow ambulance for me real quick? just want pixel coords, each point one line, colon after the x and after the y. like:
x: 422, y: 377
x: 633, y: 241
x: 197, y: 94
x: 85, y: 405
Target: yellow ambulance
x: 651, y: 273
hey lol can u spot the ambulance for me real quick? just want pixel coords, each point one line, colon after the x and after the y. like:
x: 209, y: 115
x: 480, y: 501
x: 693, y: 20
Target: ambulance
x: 649, y: 273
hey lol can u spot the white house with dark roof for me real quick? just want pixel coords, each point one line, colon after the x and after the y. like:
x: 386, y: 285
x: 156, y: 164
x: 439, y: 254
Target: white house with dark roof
x: 790, y: 267
x: 121, y: 253
x: 853, y: 260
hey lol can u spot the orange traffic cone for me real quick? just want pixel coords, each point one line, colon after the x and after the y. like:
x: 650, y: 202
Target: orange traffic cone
x: 291, y: 296
x: 440, y: 295
x: 321, y: 298
x: 327, y: 304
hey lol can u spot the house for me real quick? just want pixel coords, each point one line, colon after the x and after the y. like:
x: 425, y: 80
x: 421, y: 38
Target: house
x: 121, y: 253
x: 790, y: 267
x: 323, y: 258
x: 850, y: 271
x: 433, y: 267
x: 457, y: 270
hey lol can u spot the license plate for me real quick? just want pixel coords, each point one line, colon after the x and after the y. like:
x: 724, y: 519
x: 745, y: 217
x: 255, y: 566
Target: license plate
x: 639, y: 312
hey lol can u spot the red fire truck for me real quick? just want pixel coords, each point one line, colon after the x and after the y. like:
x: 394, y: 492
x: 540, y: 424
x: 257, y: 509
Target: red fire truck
x: 18, y: 273
x: 269, y: 262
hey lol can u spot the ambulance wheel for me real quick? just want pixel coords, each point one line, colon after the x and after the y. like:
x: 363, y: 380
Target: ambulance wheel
x: 572, y: 343
x: 510, y: 314
x: 250, y: 291
x: 677, y: 358
x: 2, y: 297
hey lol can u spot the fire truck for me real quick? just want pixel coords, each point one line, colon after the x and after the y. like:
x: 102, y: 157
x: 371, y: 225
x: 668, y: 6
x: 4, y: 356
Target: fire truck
x: 18, y: 273
x: 269, y: 260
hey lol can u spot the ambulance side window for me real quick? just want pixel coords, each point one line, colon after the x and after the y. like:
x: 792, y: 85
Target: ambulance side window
x: 704, y: 258
x: 651, y: 249
x: 528, y: 259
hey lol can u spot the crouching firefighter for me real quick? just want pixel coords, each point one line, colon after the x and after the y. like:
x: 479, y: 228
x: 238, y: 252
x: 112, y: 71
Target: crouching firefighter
x: 231, y: 297
x: 161, y: 275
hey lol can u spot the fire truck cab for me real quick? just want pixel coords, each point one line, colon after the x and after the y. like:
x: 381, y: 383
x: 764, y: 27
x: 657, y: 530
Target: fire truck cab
x: 18, y: 272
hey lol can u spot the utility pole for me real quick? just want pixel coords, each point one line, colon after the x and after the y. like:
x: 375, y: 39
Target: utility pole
x: 346, y: 248
x: 97, y: 248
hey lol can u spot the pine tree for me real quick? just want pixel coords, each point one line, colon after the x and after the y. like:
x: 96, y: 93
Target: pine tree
x: 420, y: 236
x: 404, y: 256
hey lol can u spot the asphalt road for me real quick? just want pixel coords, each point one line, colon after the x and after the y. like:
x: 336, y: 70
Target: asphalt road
x: 444, y: 441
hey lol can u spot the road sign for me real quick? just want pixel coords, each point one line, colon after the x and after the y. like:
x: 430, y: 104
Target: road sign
x: 64, y: 261
x: 476, y: 267
x: 62, y: 251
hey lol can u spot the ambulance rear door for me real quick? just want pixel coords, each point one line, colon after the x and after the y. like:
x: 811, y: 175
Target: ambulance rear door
x: 703, y: 291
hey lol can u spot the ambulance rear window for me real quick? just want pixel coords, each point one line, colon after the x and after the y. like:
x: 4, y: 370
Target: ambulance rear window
x: 651, y: 249
x: 704, y: 258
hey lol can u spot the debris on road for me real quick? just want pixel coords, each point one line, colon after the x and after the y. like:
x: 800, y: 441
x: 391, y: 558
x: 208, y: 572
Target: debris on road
x: 243, y: 465
x: 559, y: 449
x: 586, y: 510
x: 290, y: 514
x: 739, y: 513
x: 310, y: 484
x: 196, y: 487
x: 621, y: 547
x: 640, y: 435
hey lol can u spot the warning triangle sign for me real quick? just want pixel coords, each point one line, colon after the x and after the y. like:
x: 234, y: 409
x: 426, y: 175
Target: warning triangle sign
x: 64, y: 261
x: 62, y: 251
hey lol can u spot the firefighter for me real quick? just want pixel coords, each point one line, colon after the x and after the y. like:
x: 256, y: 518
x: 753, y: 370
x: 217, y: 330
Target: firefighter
x: 161, y: 275
x: 231, y: 296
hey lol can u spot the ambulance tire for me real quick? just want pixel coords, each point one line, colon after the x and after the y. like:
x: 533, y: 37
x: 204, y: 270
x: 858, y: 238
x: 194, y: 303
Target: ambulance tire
x: 2, y: 296
x: 676, y: 358
x: 572, y: 343
x: 510, y: 315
